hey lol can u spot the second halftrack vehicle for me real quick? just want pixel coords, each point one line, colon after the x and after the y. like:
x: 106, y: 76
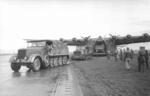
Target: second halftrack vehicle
x: 40, y: 54
x: 99, y: 48
x: 80, y: 53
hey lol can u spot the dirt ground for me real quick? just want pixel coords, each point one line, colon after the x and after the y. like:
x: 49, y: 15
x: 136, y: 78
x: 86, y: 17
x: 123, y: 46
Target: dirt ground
x: 102, y: 77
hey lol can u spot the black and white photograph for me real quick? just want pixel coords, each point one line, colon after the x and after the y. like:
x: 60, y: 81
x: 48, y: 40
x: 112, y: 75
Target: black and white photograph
x: 74, y: 47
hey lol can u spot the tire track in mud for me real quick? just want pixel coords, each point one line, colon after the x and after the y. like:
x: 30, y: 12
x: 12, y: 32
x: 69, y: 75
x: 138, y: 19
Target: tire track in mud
x: 102, y: 85
x: 114, y: 78
x: 111, y: 90
x: 88, y: 84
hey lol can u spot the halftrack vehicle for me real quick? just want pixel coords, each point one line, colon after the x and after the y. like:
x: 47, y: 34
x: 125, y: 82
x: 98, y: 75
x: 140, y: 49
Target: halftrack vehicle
x: 40, y: 54
x: 99, y: 48
x: 80, y: 53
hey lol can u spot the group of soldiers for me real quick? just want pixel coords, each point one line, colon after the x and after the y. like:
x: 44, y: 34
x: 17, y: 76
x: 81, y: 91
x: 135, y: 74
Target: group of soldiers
x: 127, y: 56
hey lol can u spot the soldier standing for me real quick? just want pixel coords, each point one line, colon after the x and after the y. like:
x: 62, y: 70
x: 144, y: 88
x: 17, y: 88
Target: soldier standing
x: 116, y: 55
x: 132, y: 52
x: 146, y: 58
x: 108, y: 54
x: 128, y: 58
x: 141, y: 59
x: 121, y: 55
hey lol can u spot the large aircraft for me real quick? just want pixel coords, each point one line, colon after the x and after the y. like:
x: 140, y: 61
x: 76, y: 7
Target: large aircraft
x: 112, y: 42
x: 118, y: 40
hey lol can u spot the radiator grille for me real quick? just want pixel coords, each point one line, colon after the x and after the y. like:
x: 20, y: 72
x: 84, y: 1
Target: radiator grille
x: 21, y: 53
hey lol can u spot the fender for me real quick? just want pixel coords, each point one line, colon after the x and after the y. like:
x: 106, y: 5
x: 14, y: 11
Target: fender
x: 33, y: 56
x: 13, y: 58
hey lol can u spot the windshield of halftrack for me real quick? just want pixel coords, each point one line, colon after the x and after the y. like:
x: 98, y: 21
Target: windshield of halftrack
x: 36, y: 44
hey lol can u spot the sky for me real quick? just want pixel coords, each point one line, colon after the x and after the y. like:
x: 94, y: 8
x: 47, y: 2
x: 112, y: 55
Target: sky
x: 54, y: 19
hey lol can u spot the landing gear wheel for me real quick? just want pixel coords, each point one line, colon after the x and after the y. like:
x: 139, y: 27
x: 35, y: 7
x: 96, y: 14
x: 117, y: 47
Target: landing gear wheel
x: 36, y: 65
x: 15, y: 67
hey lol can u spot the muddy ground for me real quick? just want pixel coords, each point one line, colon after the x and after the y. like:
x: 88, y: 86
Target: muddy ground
x: 102, y: 77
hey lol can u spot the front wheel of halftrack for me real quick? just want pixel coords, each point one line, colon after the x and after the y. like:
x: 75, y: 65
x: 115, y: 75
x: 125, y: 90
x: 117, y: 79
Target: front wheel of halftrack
x: 15, y: 67
x: 36, y: 65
